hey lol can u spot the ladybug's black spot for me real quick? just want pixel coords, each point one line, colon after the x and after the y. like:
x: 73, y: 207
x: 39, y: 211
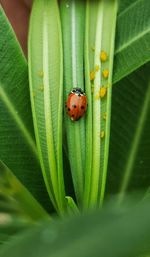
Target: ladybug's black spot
x: 82, y: 107
x: 68, y: 109
x: 74, y: 106
x: 79, y: 95
x: 72, y: 115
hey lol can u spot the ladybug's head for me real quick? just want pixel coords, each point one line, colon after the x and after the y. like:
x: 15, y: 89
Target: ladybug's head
x: 77, y: 90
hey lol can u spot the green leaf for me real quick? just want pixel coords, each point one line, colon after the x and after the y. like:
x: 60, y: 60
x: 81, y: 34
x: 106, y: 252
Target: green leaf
x: 71, y: 206
x: 10, y: 226
x: 17, y: 144
x: 97, y: 135
x: 72, y: 19
x: 129, y: 160
x: 89, y: 48
x: 109, y: 233
x: 132, y: 38
x: 19, y: 197
x: 46, y: 90
x: 125, y: 4
x: 88, y: 164
x: 6, y: 205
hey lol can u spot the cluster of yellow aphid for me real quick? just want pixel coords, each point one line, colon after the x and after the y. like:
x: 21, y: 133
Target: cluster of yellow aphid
x: 105, y: 73
x: 103, y: 89
x: 41, y: 74
x: 41, y: 87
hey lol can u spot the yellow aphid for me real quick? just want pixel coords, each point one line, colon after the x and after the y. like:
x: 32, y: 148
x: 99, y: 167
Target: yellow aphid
x: 102, y: 92
x: 105, y: 74
x: 97, y: 96
x: 97, y: 68
x: 41, y: 87
x: 105, y: 116
x: 103, y: 56
x: 33, y: 93
x: 41, y: 73
x: 92, y: 48
x: 102, y: 134
x: 92, y: 75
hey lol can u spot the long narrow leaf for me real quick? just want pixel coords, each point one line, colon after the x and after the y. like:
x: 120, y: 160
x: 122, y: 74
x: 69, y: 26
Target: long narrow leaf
x: 45, y: 69
x: 72, y: 17
x: 90, y: 34
x: 19, y: 196
x: 17, y: 143
x: 104, y: 46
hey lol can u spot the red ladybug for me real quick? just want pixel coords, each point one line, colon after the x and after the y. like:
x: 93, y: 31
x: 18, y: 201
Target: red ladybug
x: 76, y: 104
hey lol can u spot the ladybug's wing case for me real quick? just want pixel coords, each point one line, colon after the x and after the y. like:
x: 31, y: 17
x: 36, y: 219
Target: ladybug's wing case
x: 76, y: 106
x: 82, y: 105
x: 72, y: 106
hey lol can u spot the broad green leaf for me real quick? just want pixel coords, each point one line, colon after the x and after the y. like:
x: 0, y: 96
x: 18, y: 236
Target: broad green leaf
x: 73, y: 19
x: 109, y: 233
x: 129, y: 160
x: 46, y: 91
x: 132, y: 38
x: 19, y: 197
x: 123, y: 5
x: 17, y: 144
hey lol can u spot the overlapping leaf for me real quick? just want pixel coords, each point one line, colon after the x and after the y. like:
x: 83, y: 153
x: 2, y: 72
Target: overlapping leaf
x: 130, y: 141
x: 17, y: 144
x: 46, y: 90
x: 132, y: 37
x: 15, y: 198
x: 109, y: 233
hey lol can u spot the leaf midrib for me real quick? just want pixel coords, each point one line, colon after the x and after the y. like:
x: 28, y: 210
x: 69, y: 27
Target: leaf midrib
x: 25, y: 133
x: 124, y: 46
x: 129, y: 7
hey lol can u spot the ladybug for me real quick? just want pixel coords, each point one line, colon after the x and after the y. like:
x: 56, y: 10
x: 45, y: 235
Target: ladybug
x: 76, y: 104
